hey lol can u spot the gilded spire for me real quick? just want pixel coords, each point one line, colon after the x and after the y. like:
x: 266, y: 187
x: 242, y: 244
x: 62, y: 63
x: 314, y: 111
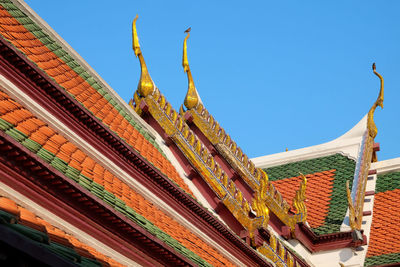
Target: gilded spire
x: 373, y: 131
x: 191, y: 99
x: 146, y: 84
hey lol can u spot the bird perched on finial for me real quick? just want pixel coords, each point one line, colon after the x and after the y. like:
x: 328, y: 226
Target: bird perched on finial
x: 188, y: 30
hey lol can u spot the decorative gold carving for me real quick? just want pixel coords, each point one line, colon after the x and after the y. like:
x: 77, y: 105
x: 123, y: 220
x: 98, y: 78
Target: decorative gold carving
x: 356, y: 205
x: 300, y: 197
x: 191, y: 99
x: 362, y: 182
x: 352, y: 215
x: 258, y: 203
x: 289, y: 260
x: 276, y: 252
x: 373, y: 131
x: 244, y: 167
x: 201, y: 159
x: 146, y: 84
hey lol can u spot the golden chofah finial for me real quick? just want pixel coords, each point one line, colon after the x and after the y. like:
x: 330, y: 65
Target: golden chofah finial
x: 146, y: 84
x: 191, y: 99
x: 373, y: 131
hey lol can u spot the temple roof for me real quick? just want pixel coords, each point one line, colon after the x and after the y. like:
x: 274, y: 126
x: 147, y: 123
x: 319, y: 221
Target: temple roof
x: 329, y: 206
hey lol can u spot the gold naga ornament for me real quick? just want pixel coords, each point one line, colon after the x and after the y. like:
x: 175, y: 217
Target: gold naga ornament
x: 356, y: 205
x: 373, y: 131
x: 300, y: 196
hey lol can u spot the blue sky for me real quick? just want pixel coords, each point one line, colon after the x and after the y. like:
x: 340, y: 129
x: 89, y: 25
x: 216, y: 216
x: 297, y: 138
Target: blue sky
x: 275, y: 75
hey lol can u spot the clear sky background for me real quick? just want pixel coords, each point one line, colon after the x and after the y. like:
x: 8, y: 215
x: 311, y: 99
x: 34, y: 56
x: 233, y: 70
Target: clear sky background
x: 275, y: 74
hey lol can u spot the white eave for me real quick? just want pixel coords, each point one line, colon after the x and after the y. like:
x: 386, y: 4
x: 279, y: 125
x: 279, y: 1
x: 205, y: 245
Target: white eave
x: 385, y: 166
x: 348, y: 144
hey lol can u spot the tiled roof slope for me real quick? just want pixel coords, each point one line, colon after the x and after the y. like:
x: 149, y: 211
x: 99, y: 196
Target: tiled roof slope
x: 329, y: 201
x: 49, y: 56
x: 43, y: 234
x: 384, y: 241
x: 46, y: 143
x: 318, y: 192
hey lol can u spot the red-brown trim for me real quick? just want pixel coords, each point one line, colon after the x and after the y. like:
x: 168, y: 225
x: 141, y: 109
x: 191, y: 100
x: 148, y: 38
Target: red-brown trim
x: 246, y: 190
x: 30, y: 79
x: 316, y: 243
x: 195, y: 177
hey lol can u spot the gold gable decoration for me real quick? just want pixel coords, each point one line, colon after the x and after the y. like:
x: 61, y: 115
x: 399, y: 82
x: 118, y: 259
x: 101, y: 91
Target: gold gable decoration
x: 356, y: 204
x: 202, y: 160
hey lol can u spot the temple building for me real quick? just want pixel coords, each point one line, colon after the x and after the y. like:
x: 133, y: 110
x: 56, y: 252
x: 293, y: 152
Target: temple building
x: 87, y: 179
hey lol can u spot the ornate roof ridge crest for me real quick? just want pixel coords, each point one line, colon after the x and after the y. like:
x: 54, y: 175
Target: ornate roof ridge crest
x: 372, y: 130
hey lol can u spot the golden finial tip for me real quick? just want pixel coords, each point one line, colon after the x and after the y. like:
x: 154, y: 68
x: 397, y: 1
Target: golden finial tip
x: 191, y: 99
x: 373, y: 66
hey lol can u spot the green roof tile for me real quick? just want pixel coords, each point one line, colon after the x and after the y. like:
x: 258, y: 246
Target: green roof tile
x: 388, y: 181
x: 382, y: 259
x: 30, y: 233
x: 344, y: 167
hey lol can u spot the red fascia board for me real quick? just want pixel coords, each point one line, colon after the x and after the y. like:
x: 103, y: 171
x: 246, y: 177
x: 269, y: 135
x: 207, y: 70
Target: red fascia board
x: 315, y: 243
x: 30, y: 79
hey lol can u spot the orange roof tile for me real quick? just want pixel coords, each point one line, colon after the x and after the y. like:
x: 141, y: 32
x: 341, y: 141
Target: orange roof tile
x: 318, y: 194
x: 385, y: 226
x: 56, y: 68
x: 9, y: 206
